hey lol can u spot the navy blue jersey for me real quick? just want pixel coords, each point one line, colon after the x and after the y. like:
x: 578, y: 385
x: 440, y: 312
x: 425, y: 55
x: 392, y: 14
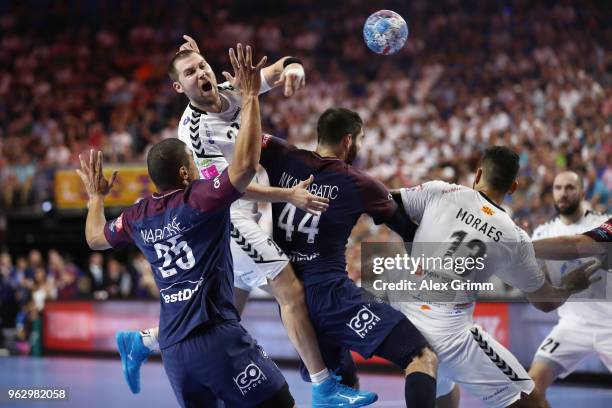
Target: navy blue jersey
x: 603, y: 233
x: 185, y: 236
x: 316, y: 245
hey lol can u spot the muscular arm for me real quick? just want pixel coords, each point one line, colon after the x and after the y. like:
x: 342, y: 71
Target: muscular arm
x: 248, y: 145
x: 268, y: 194
x: 94, y: 225
x: 548, y: 297
x: 298, y: 196
x: 567, y: 247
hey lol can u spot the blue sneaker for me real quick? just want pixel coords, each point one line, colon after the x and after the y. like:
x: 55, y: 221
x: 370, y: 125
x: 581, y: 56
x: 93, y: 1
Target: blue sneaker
x: 133, y: 353
x: 331, y: 393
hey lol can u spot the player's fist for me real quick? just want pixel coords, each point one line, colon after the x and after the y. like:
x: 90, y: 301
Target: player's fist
x: 292, y: 78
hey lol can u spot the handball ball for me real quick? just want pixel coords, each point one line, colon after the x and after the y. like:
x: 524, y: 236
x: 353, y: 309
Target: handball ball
x: 385, y: 32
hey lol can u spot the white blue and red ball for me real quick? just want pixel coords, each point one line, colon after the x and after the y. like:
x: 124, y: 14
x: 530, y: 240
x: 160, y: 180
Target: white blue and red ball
x: 385, y: 32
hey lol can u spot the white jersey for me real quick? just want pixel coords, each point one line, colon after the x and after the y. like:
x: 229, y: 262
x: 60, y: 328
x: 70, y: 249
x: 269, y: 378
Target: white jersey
x: 458, y: 221
x: 594, y: 312
x: 212, y: 136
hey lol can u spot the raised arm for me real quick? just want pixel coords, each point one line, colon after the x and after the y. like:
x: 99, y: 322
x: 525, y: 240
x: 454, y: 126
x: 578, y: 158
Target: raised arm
x: 97, y: 188
x: 248, y: 144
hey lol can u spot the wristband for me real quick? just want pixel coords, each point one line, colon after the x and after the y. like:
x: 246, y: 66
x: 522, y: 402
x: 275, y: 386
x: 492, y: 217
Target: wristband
x: 291, y: 60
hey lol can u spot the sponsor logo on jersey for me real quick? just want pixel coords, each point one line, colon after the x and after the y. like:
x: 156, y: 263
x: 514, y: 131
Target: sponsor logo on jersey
x: 182, y: 294
x: 415, y: 188
x: 299, y: 257
x: 363, y: 322
x: 117, y: 224
x: 487, y: 210
x: 607, y: 227
x: 186, y: 120
x: 249, y: 378
x: 265, y: 138
x: 217, y: 182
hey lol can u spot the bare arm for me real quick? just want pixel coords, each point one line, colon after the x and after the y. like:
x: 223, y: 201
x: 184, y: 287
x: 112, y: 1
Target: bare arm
x: 248, y: 145
x: 97, y: 188
x: 297, y: 195
x: 292, y: 76
x: 567, y: 247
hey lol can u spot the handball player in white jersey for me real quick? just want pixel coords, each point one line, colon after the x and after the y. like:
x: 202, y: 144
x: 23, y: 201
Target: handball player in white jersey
x: 455, y: 220
x: 584, y: 327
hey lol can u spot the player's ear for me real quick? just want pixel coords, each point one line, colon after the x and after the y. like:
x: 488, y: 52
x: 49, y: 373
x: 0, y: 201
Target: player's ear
x: 346, y: 140
x: 478, y: 176
x: 184, y: 175
x: 513, y: 187
x: 178, y: 87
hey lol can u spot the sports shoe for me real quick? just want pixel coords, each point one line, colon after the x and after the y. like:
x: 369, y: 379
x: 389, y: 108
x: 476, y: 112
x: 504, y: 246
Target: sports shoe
x: 133, y: 353
x: 330, y: 393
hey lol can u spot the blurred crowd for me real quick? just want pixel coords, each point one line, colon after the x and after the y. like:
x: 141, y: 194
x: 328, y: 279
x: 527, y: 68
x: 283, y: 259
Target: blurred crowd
x: 533, y: 75
x: 27, y: 282
x: 536, y: 76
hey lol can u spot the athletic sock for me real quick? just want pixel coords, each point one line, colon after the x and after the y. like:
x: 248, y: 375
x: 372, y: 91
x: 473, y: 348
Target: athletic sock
x: 149, y: 340
x: 420, y: 390
x: 319, y: 377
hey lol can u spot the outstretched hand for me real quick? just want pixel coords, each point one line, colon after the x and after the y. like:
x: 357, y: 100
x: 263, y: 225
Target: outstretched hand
x: 91, y: 173
x: 246, y: 76
x: 580, y: 278
x: 304, y: 200
x: 189, y: 44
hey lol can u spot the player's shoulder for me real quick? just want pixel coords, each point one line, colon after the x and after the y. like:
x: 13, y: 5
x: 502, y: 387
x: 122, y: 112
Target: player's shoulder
x: 594, y: 218
x: 359, y: 176
x: 545, y: 229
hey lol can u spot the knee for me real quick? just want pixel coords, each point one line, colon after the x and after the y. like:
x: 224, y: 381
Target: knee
x: 426, y: 361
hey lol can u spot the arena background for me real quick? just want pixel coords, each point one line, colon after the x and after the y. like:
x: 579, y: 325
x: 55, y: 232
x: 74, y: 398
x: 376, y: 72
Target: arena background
x: 75, y: 75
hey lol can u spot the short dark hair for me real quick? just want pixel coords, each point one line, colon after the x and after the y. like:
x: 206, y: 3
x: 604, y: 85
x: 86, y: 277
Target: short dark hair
x: 172, y: 72
x: 164, y: 161
x: 335, y: 123
x: 500, y: 165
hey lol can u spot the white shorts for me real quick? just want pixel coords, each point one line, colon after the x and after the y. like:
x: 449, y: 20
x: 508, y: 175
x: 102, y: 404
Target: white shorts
x: 469, y: 356
x: 569, y: 342
x: 256, y: 256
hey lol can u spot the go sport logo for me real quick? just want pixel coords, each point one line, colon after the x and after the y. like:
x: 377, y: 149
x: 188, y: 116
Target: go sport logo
x: 363, y: 322
x: 249, y: 378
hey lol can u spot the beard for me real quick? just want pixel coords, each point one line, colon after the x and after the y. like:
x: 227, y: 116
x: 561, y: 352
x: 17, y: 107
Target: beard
x: 569, y: 209
x: 351, y: 155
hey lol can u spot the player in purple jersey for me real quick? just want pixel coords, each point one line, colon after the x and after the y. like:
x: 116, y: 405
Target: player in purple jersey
x: 184, y: 232
x: 211, y: 111
x: 344, y: 316
x: 576, y: 246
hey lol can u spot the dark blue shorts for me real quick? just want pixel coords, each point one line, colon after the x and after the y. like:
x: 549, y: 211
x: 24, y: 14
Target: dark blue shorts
x: 347, y: 318
x: 221, y: 362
